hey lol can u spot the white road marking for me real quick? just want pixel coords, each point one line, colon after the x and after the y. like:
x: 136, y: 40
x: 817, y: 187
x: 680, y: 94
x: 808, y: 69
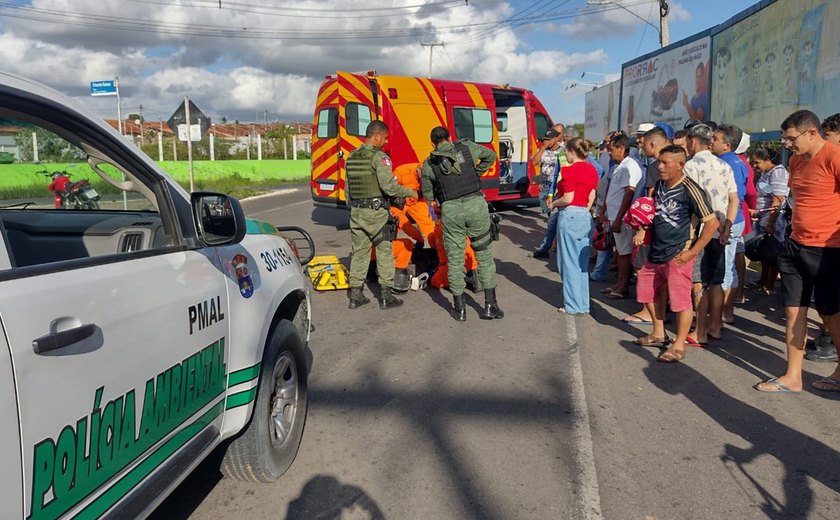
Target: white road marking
x: 587, y: 481
x: 281, y: 208
x: 275, y: 193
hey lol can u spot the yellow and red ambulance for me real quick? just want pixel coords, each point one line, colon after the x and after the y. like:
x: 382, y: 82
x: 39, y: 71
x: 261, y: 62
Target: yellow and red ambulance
x: 508, y: 120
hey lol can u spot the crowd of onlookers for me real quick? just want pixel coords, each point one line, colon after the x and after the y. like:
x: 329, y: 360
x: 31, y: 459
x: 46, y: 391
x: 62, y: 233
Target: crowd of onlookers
x: 680, y: 211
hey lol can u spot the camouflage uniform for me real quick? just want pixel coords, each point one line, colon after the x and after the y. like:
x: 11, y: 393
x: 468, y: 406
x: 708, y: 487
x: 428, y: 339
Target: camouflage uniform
x: 464, y: 217
x: 366, y: 224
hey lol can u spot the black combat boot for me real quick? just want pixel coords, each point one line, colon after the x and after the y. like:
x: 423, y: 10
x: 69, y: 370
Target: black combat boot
x: 491, y: 308
x: 357, y: 297
x: 459, y: 308
x: 387, y: 300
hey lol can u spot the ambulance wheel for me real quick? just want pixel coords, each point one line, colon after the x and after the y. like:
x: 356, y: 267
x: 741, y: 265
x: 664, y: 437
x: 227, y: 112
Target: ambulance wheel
x: 270, y: 442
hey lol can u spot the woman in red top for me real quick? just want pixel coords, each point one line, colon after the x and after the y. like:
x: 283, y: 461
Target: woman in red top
x: 576, y: 193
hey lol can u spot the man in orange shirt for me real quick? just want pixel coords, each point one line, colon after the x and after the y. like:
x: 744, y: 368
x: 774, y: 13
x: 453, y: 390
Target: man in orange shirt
x: 812, y: 254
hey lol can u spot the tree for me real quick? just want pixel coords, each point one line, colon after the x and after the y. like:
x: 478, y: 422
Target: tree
x: 223, y: 120
x: 51, y: 148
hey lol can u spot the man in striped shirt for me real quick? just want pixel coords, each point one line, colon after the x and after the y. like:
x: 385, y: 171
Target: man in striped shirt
x: 678, y: 200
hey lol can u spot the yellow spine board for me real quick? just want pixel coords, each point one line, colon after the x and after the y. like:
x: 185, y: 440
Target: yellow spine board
x: 327, y: 273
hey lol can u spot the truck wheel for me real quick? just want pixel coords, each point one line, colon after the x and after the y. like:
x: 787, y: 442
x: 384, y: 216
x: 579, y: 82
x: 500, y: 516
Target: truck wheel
x: 269, y: 444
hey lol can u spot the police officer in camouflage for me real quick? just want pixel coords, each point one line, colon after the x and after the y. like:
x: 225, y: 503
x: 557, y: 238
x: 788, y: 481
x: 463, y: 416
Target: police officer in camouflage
x: 370, y: 183
x: 451, y: 176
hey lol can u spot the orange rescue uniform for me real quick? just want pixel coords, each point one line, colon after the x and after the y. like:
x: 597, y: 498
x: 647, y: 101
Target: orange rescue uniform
x: 406, y: 175
x: 440, y: 279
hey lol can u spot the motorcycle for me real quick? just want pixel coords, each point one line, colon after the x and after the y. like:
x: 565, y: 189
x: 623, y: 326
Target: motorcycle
x: 71, y: 195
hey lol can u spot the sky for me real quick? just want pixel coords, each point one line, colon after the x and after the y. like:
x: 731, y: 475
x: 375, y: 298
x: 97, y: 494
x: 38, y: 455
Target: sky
x: 263, y: 60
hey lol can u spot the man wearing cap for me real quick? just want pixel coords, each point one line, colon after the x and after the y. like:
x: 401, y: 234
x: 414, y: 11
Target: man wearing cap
x: 639, y: 140
x: 550, y: 157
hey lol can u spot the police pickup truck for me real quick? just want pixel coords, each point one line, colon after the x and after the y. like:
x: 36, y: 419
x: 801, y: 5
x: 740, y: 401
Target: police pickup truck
x: 138, y: 337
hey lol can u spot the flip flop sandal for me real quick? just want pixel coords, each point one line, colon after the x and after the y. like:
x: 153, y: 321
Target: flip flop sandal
x: 778, y: 388
x: 835, y: 384
x: 652, y: 341
x: 691, y: 342
x: 671, y: 356
x: 636, y: 320
x: 612, y: 295
x: 606, y: 290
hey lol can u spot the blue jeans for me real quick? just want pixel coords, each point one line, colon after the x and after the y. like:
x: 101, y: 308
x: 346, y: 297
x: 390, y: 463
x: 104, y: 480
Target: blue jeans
x: 550, y: 232
x: 602, y: 265
x: 730, y: 278
x: 575, y: 228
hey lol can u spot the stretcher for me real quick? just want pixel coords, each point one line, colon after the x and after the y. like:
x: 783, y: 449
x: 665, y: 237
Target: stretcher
x: 327, y: 273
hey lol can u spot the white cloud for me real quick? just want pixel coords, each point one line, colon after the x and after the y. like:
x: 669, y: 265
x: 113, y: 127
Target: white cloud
x: 611, y: 18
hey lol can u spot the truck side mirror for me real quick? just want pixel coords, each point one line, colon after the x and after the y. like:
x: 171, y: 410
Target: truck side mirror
x: 219, y: 219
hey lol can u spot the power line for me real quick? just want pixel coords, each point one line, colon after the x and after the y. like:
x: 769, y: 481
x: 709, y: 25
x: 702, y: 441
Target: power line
x: 287, y: 11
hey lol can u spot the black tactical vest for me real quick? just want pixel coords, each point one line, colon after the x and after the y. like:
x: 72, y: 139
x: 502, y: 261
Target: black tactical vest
x: 449, y: 187
x: 361, y: 175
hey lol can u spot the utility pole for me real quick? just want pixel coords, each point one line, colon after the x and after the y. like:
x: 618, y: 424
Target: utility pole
x: 431, y: 46
x: 664, y: 9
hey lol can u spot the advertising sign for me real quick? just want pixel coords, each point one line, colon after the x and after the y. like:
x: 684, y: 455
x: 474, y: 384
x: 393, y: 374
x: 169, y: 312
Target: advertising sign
x: 670, y: 86
x: 783, y: 58
x: 103, y: 88
x: 602, y: 111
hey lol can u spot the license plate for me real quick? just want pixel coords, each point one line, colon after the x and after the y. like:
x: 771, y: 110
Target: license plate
x: 327, y: 187
x: 90, y: 193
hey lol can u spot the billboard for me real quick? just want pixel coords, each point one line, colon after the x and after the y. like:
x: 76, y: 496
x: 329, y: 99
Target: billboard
x: 671, y: 86
x: 782, y: 58
x: 601, y: 111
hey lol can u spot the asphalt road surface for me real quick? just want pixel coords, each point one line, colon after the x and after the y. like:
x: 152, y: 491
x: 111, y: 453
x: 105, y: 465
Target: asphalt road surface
x: 536, y: 416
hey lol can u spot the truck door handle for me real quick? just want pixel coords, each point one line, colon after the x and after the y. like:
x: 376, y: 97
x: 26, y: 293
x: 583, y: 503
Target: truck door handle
x: 57, y: 340
x: 340, y: 154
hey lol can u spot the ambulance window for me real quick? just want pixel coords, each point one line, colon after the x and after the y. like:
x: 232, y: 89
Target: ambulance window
x: 501, y: 122
x: 358, y: 118
x: 474, y: 124
x: 327, y: 123
x: 541, y: 124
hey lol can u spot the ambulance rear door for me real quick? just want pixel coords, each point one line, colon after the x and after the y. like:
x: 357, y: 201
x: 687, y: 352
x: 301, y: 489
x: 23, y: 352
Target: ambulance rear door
x: 538, y: 124
x: 471, y: 115
x: 357, y: 107
x: 324, y: 180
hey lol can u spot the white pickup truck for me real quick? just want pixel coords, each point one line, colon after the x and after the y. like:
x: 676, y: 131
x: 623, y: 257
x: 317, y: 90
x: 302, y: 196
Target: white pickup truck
x: 138, y: 337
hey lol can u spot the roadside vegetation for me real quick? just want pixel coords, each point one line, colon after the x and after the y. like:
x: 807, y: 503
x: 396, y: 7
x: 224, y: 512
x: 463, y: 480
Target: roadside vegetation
x: 239, y: 178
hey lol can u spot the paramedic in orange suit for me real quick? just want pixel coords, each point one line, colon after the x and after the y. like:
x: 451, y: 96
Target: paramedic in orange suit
x: 408, y: 175
x: 403, y: 246
x: 439, y: 279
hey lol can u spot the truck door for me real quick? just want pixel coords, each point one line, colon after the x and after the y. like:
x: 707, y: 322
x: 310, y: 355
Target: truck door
x: 356, y: 109
x: 11, y: 487
x: 472, y: 116
x: 538, y: 124
x: 117, y: 332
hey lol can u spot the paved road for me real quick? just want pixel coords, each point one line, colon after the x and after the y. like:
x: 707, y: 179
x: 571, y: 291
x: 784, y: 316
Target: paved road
x: 538, y: 415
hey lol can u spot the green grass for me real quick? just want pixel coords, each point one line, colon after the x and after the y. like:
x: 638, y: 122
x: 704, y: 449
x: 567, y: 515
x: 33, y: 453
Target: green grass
x: 238, y: 178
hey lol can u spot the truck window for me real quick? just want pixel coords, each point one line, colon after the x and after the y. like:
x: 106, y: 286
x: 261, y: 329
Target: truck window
x: 358, y: 118
x: 61, y: 208
x: 328, y: 123
x: 475, y: 124
x: 541, y: 124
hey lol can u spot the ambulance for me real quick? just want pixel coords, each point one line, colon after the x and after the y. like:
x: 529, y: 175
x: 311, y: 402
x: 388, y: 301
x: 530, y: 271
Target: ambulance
x: 508, y: 120
x: 138, y: 337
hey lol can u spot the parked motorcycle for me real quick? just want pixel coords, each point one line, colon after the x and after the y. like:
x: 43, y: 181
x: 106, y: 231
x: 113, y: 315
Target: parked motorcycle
x: 71, y: 195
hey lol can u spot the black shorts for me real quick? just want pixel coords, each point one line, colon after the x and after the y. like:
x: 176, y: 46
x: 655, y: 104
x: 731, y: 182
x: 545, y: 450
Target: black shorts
x: 809, y: 270
x: 710, y: 264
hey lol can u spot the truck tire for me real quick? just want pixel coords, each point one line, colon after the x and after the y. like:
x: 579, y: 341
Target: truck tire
x: 270, y: 442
